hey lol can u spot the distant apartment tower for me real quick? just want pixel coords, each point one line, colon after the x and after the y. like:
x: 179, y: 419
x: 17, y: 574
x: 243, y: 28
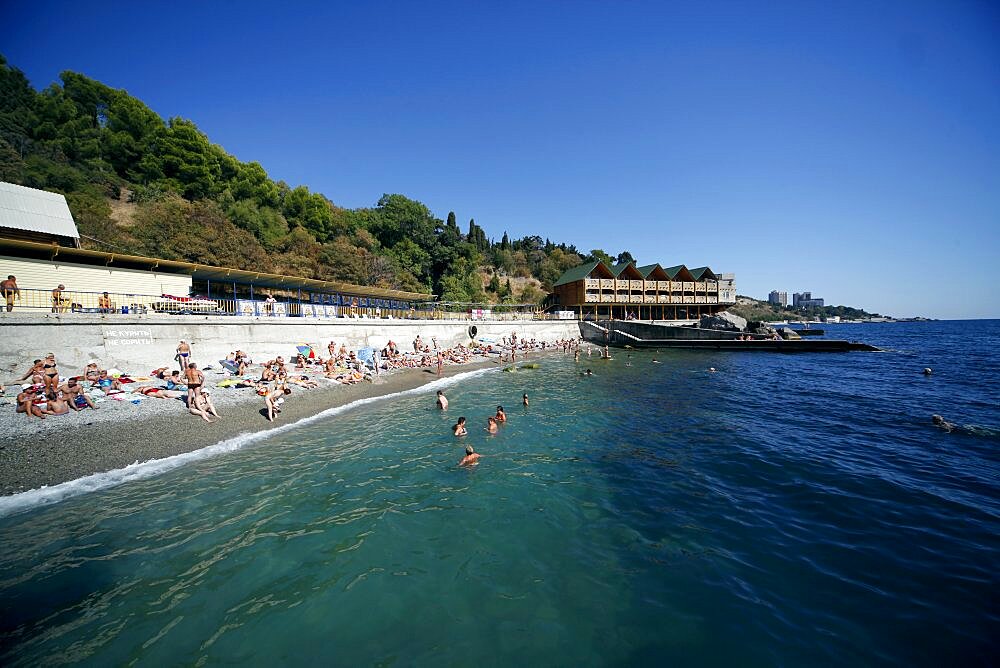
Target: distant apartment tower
x: 805, y: 300
x: 778, y: 298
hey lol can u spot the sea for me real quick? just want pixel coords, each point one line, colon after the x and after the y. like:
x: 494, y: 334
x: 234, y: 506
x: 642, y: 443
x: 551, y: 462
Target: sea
x: 781, y: 510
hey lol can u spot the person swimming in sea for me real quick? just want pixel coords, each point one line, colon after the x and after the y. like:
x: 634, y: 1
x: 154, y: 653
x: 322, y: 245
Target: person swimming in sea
x: 471, y: 457
x: 524, y: 400
x: 501, y: 416
x: 942, y: 423
x: 588, y: 372
x: 442, y: 401
x: 459, y: 428
x: 491, y: 425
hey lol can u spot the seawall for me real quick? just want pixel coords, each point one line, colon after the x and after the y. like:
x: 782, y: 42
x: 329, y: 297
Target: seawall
x: 141, y: 342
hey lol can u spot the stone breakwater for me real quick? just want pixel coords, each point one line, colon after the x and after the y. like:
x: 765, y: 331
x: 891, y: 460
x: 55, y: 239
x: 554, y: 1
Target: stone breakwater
x: 139, y: 343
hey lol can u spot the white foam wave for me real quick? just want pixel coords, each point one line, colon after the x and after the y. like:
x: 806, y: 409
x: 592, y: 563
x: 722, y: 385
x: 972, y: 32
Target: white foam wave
x: 43, y: 496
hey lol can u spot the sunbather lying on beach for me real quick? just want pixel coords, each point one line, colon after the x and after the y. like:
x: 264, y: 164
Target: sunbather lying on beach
x: 160, y: 393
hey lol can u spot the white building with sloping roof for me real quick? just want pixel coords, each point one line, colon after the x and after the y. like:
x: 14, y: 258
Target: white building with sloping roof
x: 36, y: 215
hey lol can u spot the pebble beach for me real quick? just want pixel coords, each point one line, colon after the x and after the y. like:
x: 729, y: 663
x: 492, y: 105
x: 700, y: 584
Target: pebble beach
x: 36, y: 453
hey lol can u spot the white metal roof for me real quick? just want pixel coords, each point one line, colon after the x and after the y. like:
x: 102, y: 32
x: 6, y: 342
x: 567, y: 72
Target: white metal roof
x: 36, y: 211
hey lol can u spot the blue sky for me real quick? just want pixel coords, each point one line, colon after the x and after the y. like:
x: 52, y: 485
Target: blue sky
x: 851, y: 148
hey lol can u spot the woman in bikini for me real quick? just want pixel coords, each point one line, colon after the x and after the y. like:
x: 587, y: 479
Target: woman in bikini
x: 50, y: 373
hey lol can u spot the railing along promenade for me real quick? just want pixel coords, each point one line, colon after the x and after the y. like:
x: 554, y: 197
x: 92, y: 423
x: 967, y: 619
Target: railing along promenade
x: 112, y: 304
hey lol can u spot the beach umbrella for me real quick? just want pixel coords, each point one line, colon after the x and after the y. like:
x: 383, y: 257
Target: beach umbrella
x: 307, y: 351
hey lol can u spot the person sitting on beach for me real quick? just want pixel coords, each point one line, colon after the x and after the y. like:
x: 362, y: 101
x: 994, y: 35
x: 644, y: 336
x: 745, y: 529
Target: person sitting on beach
x: 56, y: 404
x: 459, y: 428
x: 197, y: 406
x: 471, y: 457
x: 491, y: 425
x: 35, y: 370
x: 273, y: 400
x: 27, y: 404
x: 92, y: 372
x: 77, y: 398
x: 442, y: 401
x: 174, y: 381
x: 501, y: 416
x: 160, y: 393
x: 106, y: 383
x: 204, y: 402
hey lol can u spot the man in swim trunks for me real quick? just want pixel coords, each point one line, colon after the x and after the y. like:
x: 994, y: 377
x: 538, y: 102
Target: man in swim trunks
x: 77, y: 398
x: 471, y: 457
x: 183, y: 355
x: 195, y: 379
x: 10, y: 291
x: 57, y: 299
x: 104, y: 303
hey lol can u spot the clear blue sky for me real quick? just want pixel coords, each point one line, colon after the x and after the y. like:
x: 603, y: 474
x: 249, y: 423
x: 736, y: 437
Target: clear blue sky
x: 847, y: 148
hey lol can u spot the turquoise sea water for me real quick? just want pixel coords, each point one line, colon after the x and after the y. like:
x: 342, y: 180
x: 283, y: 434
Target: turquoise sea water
x: 785, y: 510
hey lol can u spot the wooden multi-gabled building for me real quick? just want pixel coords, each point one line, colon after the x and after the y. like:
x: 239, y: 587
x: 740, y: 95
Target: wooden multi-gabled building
x: 651, y: 292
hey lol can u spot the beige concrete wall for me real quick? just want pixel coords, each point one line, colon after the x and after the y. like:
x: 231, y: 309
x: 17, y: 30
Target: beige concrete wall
x: 140, y: 343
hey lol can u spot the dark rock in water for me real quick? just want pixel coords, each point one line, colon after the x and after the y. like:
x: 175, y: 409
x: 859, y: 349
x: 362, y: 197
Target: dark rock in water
x: 789, y: 334
x: 724, y: 321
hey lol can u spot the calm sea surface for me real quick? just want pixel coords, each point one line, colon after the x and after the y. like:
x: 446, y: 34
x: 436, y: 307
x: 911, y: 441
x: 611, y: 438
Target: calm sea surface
x: 792, y: 510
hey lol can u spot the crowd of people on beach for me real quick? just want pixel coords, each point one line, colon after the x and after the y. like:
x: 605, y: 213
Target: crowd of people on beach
x: 47, y: 392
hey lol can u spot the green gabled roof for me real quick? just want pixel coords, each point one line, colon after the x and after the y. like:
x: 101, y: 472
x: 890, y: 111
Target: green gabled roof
x: 673, y: 271
x: 649, y: 269
x: 577, y: 273
x: 702, y: 272
x: 621, y: 268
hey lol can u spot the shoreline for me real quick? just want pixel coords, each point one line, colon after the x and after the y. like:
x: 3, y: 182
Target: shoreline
x: 42, y: 453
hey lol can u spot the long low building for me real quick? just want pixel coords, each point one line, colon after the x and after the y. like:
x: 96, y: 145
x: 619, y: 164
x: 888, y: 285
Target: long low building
x: 651, y: 292
x: 39, y: 245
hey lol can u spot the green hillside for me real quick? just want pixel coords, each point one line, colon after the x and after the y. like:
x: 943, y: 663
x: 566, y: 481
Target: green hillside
x: 138, y: 184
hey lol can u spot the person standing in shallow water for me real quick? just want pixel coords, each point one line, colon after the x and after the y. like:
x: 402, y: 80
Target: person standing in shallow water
x: 501, y: 416
x: 524, y: 400
x: 442, y: 401
x: 471, y: 457
x: 459, y: 428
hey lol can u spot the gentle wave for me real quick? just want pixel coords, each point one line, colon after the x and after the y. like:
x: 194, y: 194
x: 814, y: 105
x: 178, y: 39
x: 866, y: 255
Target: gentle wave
x: 43, y: 496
